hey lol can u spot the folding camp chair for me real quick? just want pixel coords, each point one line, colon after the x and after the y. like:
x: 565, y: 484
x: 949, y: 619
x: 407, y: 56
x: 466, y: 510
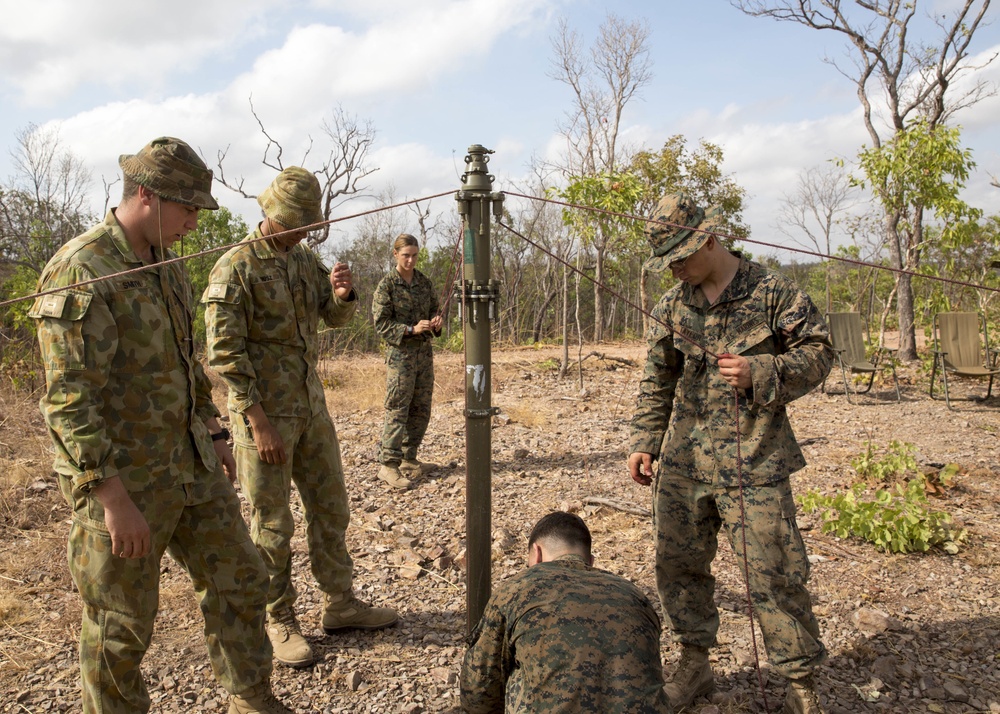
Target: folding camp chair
x: 959, y: 350
x: 847, y: 335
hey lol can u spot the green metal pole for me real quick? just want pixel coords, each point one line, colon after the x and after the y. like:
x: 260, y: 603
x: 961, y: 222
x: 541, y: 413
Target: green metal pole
x: 477, y: 295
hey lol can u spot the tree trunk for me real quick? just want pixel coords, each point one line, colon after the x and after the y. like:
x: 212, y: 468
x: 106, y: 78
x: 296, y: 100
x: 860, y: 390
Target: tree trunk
x: 565, y: 322
x: 904, y: 290
x: 536, y: 329
x: 599, y: 296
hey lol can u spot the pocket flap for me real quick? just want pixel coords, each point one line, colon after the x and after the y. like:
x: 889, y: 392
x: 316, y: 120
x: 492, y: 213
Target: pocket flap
x: 70, y: 305
x: 223, y: 292
x: 749, y: 338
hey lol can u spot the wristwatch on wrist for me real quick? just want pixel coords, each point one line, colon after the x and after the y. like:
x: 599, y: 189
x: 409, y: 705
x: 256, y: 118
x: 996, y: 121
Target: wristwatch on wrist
x: 221, y: 435
x: 409, y: 330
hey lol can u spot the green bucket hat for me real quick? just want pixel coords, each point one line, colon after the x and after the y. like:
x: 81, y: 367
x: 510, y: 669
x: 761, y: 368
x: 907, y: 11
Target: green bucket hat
x: 293, y: 199
x: 671, y: 236
x: 172, y: 170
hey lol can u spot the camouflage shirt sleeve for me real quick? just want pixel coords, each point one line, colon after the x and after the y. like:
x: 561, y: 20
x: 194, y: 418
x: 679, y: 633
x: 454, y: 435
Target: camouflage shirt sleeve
x: 487, y: 665
x: 78, y: 339
x: 659, y: 382
x: 228, y: 314
x: 204, y: 405
x: 806, y: 355
x: 384, y: 314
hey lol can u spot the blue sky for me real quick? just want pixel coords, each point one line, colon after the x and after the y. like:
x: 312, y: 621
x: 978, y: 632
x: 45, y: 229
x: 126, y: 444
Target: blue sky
x: 433, y: 77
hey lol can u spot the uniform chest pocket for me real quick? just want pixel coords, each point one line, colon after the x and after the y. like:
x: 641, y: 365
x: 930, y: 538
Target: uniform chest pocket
x: 146, y: 339
x: 695, y: 358
x: 752, y: 339
x: 275, y: 311
x: 306, y: 310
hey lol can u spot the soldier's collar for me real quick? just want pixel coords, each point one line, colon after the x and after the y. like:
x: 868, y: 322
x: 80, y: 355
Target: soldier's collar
x: 117, y: 233
x: 261, y: 248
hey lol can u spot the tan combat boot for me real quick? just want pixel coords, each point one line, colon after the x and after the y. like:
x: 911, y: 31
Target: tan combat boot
x: 259, y: 700
x: 290, y: 647
x: 345, y: 612
x: 391, y: 474
x: 692, y: 678
x: 801, y: 697
x: 415, y: 469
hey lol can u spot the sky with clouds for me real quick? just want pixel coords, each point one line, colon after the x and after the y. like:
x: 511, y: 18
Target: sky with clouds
x: 433, y: 78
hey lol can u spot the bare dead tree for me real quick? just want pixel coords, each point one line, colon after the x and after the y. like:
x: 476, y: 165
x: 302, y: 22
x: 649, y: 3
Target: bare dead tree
x: 898, y: 77
x: 44, y: 203
x: 821, y: 196
x: 602, y: 80
x: 425, y: 226
x: 340, y: 174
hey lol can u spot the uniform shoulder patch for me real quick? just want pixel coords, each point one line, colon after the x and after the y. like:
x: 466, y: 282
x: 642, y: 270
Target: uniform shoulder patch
x: 222, y: 292
x: 69, y: 305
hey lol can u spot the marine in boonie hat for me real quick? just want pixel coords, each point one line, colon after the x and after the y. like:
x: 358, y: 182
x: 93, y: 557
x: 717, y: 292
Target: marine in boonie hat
x: 671, y: 236
x: 171, y: 169
x: 293, y: 199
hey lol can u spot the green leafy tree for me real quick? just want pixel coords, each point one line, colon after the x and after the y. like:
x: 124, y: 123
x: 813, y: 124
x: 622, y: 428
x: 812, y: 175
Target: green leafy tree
x: 676, y: 167
x: 605, y: 231
x: 216, y: 229
x: 969, y: 253
x: 903, y: 67
x: 42, y: 206
x: 923, y: 168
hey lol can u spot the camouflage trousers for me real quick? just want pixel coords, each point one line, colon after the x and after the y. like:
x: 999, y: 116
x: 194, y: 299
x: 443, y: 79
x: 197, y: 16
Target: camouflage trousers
x: 688, y: 515
x: 409, y: 389
x: 201, y: 526
x: 313, y: 464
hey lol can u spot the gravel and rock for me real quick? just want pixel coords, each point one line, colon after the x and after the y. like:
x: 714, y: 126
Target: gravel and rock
x: 906, y: 633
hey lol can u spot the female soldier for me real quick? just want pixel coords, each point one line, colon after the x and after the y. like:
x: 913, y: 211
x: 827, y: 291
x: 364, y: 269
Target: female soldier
x: 405, y: 310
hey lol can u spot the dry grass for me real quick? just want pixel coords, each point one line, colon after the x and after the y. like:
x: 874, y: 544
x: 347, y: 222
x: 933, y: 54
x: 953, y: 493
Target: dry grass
x: 527, y: 413
x: 353, y: 383
x: 31, y: 530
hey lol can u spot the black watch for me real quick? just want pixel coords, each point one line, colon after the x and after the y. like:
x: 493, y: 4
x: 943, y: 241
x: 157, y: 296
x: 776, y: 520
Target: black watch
x: 222, y: 435
x: 409, y: 330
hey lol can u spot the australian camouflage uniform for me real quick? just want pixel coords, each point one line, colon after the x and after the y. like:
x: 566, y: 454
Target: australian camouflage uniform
x: 685, y: 418
x: 126, y: 397
x: 563, y: 636
x: 409, y: 362
x: 262, y: 321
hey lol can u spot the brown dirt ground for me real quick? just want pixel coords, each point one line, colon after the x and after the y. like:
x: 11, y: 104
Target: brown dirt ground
x: 933, y: 648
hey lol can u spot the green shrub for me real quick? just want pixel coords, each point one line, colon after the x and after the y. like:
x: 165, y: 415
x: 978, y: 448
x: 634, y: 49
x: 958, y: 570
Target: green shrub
x: 896, y: 520
x: 898, y: 461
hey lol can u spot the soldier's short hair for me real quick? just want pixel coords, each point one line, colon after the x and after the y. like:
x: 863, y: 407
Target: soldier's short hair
x: 130, y: 187
x: 568, y: 528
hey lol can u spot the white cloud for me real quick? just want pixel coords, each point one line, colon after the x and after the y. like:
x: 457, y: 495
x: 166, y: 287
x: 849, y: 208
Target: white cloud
x: 295, y: 86
x: 48, y: 48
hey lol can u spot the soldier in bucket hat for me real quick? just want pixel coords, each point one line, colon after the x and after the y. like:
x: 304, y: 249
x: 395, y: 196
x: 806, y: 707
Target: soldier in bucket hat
x: 773, y: 347
x: 141, y: 457
x: 263, y: 305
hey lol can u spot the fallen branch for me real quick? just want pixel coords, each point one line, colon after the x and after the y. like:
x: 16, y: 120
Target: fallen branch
x: 619, y: 506
x: 601, y: 355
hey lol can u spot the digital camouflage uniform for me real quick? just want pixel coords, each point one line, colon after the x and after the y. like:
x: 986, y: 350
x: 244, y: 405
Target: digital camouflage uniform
x: 409, y: 362
x: 685, y: 418
x: 262, y: 318
x: 126, y: 397
x: 564, y: 637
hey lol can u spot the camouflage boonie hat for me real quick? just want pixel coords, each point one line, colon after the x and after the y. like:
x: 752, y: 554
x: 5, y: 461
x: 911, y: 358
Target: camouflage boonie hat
x: 172, y: 170
x: 293, y: 199
x: 675, y: 241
